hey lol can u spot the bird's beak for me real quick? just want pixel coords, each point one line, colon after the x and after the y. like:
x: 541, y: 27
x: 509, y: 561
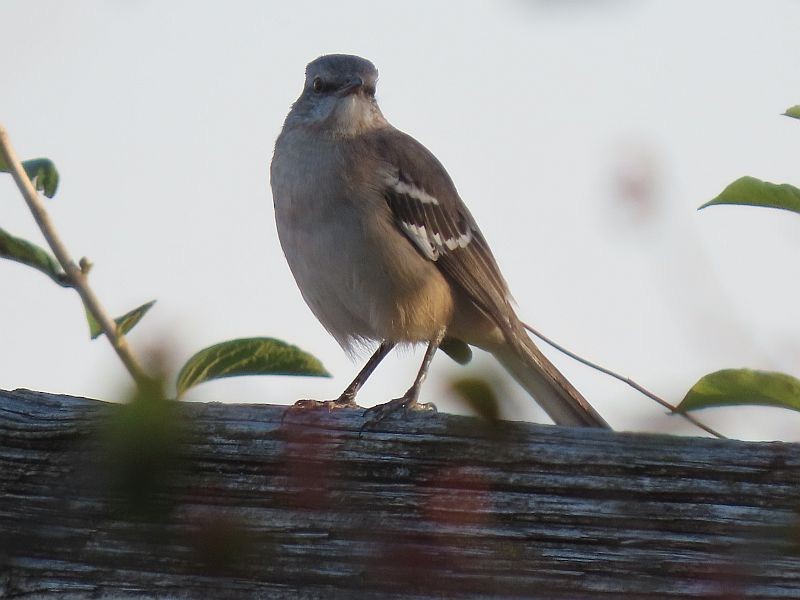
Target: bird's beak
x: 351, y: 87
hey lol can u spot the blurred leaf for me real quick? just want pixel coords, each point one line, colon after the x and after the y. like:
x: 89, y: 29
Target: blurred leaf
x: 22, y: 251
x: 141, y: 441
x: 41, y: 171
x: 793, y: 112
x: 249, y: 356
x: 457, y: 350
x: 731, y: 387
x: 479, y: 396
x: 222, y: 541
x: 754, y: 192
x: 124, y: 323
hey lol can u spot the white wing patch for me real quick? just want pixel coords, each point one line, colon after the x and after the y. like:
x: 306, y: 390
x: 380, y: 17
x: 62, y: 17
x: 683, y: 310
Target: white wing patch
x: 431, y: 244
x: 420, y: 238
x: 461, y: 241
x: 410, y: 202
x: 407, y: 189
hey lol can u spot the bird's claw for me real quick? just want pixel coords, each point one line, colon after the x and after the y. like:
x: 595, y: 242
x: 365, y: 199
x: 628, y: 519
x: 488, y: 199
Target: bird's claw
x: 309, y: 404
x: 407, y: 403
x: 329, y: 404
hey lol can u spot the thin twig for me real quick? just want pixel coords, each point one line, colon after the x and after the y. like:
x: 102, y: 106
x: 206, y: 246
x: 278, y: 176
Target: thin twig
x: 623, y: 379
x: 76, y: 276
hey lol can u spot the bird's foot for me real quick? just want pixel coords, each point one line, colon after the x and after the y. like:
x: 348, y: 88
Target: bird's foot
x: 329, y: 404
x: 343, y: 401
x: 406, y: 403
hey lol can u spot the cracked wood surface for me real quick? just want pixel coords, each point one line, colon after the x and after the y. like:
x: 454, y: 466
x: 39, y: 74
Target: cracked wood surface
x: 233, y: 502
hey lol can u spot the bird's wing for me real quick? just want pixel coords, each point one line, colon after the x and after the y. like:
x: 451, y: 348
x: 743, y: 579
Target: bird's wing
x: 428, y: 210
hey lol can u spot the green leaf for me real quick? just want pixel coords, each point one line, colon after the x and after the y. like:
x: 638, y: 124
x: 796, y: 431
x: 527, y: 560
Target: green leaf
x: 793, y: 112
x: 124, y: 323
x: 94, y: 327
x: 754, y: 192
x: 731, y: 387
x: 41, y: 171
x: 22, y: 251
x: 249, y: 356
x: 130, y: 319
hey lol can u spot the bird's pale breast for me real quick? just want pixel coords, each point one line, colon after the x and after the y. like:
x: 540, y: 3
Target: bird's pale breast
x: 359, y: 286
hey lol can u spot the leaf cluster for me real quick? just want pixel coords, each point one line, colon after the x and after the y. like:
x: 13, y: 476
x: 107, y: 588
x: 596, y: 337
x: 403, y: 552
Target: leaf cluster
x: 250, y: 356
x: 733, y: 387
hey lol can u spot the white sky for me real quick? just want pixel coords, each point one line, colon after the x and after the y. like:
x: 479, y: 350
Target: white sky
x: 161, y: 117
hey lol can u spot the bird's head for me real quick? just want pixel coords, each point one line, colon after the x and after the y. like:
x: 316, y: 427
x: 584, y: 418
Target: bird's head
x: 338, y: 96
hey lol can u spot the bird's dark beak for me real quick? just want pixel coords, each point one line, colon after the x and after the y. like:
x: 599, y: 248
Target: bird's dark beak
x: 351, y: 87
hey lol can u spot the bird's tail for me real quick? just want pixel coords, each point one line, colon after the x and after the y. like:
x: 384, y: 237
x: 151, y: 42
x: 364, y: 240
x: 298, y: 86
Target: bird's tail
x: 540, y: 378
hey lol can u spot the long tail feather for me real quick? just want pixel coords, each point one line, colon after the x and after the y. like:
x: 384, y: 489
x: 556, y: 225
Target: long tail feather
x: 545, y: 383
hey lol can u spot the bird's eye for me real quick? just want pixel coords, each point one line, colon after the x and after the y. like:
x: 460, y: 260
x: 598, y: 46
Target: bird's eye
x: 317, y: 84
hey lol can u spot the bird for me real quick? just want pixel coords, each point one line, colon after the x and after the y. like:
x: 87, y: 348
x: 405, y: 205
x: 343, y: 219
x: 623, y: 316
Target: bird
x: 384, y: 250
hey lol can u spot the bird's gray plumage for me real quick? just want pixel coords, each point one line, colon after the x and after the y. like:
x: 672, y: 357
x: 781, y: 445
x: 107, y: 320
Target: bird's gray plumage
x: 380, y: 243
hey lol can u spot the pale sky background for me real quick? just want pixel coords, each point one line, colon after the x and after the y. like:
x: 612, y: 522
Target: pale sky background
x: 583, y: 135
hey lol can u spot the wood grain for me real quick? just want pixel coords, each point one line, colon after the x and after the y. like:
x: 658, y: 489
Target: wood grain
x: 228, y: 501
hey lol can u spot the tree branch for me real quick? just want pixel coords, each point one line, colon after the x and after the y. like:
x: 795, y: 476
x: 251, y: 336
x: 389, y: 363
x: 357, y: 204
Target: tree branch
x: 77, y: 277
x: 627, y: 380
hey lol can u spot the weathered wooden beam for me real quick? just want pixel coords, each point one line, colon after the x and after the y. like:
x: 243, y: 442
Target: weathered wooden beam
x: 100, y: 501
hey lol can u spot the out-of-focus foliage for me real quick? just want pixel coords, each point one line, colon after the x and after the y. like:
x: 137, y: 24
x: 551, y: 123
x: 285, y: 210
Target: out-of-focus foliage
x: 731, y: 387
x: 793, y: 112
x: 140, y: 442
x: 457, y: 350
x: 477, y: 394
x: 253, y: 356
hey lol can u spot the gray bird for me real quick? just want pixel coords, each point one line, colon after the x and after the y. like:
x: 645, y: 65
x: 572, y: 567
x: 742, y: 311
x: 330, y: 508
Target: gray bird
x: 384, y: 250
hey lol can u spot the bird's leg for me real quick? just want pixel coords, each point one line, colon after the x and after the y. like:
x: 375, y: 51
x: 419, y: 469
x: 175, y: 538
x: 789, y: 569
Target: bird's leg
x: 348, y: 396
x: 409, y: 400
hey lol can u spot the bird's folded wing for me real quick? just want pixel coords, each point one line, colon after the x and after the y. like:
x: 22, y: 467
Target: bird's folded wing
x: 428, y: 210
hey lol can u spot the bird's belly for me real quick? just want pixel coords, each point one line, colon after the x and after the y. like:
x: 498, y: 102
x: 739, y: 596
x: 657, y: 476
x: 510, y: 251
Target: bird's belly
x: 365, y: 281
